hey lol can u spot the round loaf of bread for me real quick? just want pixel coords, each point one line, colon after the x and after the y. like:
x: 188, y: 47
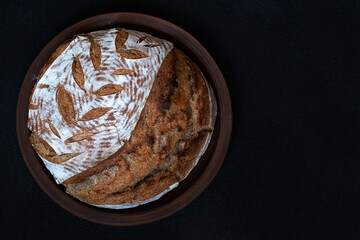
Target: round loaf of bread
x: 120, y: 117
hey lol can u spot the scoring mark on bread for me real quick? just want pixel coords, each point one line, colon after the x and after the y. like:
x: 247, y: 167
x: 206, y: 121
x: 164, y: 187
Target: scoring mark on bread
x: 78, y: 74
x: 65, y: 105
x: 53, y: 129
x: 151, y: 45
x: 120, y: 39
x: 108, y: 89
x: 79, y: 137
x: 33, y: 106
x: 141, y: 39
x: 57, y: 159
x: 43, y: 86
x: 132, y: 54
x: 95, y: 113
x: 95, y: 52
x: 122, y: 71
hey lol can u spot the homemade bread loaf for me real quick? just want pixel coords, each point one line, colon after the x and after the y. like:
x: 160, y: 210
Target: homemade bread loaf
x: 120, y: 117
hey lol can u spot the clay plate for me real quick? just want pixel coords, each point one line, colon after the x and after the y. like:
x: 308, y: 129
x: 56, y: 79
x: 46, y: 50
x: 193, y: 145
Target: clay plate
x: 198, y: 179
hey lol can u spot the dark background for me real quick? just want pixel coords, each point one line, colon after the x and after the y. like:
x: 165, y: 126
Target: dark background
x: 293, y: 166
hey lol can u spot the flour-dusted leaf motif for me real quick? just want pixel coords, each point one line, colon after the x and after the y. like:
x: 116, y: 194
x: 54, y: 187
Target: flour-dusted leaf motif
x: 79, y: 137
x: 95, y: 113
x: 122, y: 71
x: 65, y: 105
x: 95, y: 52
x: 47, y: 152
x: 53, y: 129
x: 132, y: 54
x: 120, y: 39
x: 108, y: 89
x: 78, y: 74
x: 141, y: 39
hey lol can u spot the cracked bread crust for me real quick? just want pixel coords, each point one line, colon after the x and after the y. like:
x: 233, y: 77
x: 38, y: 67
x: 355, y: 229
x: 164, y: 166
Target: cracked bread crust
x: 173, y: 130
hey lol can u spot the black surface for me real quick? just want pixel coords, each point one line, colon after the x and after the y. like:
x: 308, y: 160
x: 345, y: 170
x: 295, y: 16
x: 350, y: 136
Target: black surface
x: 293, y: 168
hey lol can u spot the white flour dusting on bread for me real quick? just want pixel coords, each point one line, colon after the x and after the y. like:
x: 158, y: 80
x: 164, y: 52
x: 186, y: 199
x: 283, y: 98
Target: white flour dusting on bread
x: 99, y: 122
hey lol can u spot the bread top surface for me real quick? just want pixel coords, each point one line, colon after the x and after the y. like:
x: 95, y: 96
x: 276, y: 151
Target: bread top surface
x: 171, y: 135
x: 119, y: 135
x: 89, y: 97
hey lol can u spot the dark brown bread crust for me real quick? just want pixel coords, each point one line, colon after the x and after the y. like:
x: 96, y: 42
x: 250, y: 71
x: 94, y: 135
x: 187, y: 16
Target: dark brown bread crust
x: 165, y: 144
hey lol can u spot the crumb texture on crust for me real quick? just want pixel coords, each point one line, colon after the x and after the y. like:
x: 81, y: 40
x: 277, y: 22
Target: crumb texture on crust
x: 172, y: 133
x: 89, y: 97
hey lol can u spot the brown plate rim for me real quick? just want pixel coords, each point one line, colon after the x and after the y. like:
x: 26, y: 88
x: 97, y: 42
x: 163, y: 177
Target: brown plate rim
x: 218, y: 151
